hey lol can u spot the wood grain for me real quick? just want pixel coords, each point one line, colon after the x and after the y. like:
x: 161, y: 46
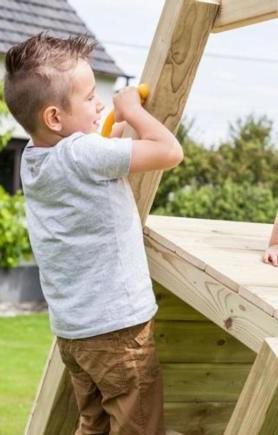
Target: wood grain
x: 243, y: 320
x: 230, y: 252
x: 238, y: 13
x: 170, y: 69
x: 256, y: 410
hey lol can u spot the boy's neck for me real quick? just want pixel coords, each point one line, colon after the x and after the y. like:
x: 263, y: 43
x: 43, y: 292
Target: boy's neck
x: 45, y: 140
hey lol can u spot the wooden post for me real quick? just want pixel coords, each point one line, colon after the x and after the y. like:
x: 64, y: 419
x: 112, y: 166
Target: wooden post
x: 171, y: 66
x: 55, y: 399
x: 256, y: 411
x: 174, y: 56
x: 238, y: 13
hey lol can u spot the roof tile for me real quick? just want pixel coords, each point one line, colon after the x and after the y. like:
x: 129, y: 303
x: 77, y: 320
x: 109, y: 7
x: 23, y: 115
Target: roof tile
x: 20, y: 19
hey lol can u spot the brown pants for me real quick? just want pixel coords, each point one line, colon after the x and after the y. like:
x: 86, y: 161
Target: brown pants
x: 117, y: 382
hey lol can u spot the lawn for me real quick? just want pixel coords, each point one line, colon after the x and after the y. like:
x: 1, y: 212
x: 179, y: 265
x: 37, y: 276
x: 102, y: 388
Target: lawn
x: 24, y: 345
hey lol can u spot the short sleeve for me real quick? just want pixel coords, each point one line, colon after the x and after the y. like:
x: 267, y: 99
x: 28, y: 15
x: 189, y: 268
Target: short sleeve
x: 100, y: 157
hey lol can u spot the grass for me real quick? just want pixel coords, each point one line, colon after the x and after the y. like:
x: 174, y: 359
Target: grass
x: 24, y: 345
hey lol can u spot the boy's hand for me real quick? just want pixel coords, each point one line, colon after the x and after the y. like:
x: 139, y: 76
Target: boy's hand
x: 118, y: 129
x: 271, y: 255
x: 126, y: 101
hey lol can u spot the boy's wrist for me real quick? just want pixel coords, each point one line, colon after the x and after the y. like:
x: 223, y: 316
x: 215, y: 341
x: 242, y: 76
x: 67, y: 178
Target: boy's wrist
x: 132, y: 113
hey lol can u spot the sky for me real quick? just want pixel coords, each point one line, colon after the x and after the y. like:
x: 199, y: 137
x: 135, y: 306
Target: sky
x: 237, y: 76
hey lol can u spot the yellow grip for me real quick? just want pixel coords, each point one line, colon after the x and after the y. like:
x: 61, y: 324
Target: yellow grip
x: 143, y: 90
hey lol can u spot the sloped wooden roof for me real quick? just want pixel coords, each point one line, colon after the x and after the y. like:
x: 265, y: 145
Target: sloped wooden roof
x: 20, y: 19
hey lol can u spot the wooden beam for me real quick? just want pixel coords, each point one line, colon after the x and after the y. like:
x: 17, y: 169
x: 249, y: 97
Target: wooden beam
x: 171, y: 66
x: 239, y: 13
x: 54, y: 398
x: 215, y: 300
x: 208, y: 244
x: 256, y: 411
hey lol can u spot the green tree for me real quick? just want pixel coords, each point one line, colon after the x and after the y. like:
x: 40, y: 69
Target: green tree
x: 230, y: 201
x: 5, y: 136
x: 245, y: 166
x: 14, y: 240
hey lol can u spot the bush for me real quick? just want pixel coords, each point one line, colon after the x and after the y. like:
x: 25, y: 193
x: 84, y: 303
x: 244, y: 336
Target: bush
x: 14, y: 240
x: 230, y: 201
x: 238, y: 180
x: 4, y: 136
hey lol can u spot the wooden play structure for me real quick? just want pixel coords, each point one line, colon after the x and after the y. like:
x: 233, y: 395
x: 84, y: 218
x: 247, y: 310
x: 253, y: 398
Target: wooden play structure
x: 217, y: 325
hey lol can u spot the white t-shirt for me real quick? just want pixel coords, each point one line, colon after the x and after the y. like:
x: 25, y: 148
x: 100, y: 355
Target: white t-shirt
x: 86, y: 235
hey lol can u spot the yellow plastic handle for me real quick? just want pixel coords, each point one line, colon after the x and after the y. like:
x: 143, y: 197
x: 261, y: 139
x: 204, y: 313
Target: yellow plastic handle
x: 143, y: 90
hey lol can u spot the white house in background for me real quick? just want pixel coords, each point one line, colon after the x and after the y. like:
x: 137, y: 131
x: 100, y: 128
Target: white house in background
x: 20, y: 19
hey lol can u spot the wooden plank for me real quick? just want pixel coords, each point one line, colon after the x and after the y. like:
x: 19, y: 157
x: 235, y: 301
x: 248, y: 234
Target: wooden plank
x: 217, y: 302
x: 170, y: 69
x: 256, y: 411
x: 238, y: 13
x: 171, y: 66
x: 224, y: 250
x: 206, y: 226
x: 55, y: 384
x: 266, y: 297
x: 209, y: 418
x: 198, y: 342
x: 204, y: 382
x: 172, y: 308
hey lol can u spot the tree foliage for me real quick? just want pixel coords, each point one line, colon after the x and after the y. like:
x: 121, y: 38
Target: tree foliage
x: 236, y: 181
x: 14, y: 240
x: 5, y: 135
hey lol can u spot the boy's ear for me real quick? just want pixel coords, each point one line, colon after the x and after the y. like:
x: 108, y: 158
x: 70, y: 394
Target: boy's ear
x: 52, y: 118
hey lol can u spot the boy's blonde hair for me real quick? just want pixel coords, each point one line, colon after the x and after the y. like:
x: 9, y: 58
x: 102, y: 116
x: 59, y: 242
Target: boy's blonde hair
x: 37, y: 74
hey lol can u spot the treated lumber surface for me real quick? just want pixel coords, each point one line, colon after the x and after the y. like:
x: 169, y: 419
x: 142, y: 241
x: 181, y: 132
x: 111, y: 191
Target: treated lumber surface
x: 198, y: 418
x: 204, y: 382
x: 55, y: 385
x: 230, y: 252
x: 171, y: 66
x: 256, y: 411
x: 198, y: 342
x: 172, y: 308
x: 170, y: 69
x: 211, y: 296
x: 204, y: 368
x: 238, y: 13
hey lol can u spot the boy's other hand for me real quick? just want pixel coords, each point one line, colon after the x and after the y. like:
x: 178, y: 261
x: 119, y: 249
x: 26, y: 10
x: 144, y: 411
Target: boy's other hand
x: 126, y: 101
x: 271, y: 255
x: 118, y: 129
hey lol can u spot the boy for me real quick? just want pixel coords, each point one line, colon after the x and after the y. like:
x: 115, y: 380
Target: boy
x: 85, y: 230
x: 271, y: 253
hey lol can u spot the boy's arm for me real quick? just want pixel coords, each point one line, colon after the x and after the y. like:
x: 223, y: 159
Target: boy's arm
x: 271, y: 253
x: 118, y: 129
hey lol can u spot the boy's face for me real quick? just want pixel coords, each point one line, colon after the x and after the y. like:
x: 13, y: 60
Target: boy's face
x: 86, y: 106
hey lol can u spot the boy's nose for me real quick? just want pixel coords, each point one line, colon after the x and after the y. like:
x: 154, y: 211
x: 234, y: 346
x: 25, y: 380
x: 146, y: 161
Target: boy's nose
x: 101, y: 107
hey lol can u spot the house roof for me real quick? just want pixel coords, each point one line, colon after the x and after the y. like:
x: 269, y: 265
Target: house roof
x: 20, y: 19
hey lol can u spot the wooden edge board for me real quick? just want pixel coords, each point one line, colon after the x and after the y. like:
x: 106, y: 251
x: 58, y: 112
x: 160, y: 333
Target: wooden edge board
x: 239, y: 317
x: 256, y: 409
x: 239, y: 13
x: 40, y: 413
x: 173, y: 247
x: 195, y: 261
x: 256, y: 299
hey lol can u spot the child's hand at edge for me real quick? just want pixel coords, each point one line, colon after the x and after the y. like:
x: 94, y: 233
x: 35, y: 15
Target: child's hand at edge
x: 271, y: 255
